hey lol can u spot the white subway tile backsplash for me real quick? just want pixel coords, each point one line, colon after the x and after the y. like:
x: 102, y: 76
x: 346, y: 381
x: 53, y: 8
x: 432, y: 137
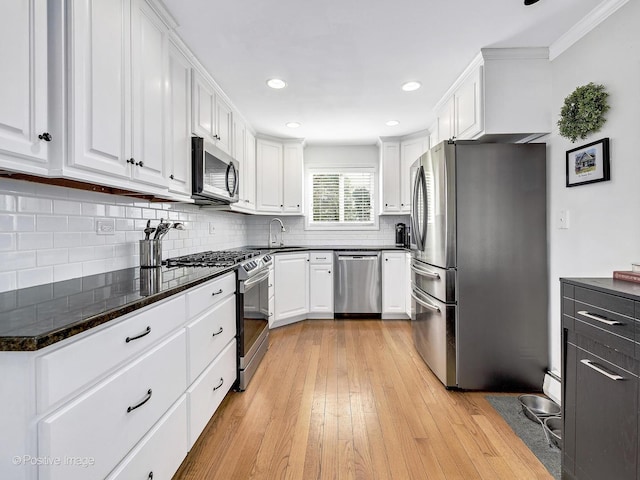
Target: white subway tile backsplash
x: 67, y: 239
x: 34, y: 276
x: 16, y: 261
x: 114, y: 211
x: 125, y: 224
x: 7, y: 203
x: 8, y: 281
x: 54, y: 256
x: 93, y: 210
x: 93, y: 238
x: 67, y: 271
x: 81, y: 254
x: 35, y: 205
x: 35, y: 240
x: 7, y: 241
x: 134, y: 212
x: 81, y: 224
x: 49, y: 223
x: 66, y: 207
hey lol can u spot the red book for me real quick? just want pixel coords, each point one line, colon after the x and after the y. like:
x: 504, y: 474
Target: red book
x: 627, y: 276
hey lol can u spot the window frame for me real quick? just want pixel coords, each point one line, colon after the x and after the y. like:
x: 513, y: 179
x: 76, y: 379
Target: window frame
x: 310, y: 171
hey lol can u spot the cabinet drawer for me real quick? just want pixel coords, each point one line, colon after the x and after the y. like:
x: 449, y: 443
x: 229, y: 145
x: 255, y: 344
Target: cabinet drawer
x: 605, y: 319
x: 108, y: 420
x: 207, y: 392
x: 208, y: 335
x: 210, y: 294
x: 72, y: 366
x: 604, y: 301
x: 321, y: 257
x: 161, y: 451
x: 437, y: 282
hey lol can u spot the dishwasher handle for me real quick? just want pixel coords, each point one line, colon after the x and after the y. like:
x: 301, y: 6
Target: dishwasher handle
x: 357, y: 257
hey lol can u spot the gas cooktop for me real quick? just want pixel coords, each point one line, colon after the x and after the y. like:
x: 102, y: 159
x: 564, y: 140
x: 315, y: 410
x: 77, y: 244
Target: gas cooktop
x: 221, y: 258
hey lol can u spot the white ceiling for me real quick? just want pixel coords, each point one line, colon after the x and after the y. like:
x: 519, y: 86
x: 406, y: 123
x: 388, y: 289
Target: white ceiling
x: 345, y: 60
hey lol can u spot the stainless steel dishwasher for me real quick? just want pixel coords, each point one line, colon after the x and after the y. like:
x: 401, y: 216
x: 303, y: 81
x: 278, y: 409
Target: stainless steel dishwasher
x: 357, y: 284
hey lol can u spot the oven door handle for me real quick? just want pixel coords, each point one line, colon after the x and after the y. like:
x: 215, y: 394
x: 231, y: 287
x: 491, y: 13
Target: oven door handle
x: 257, y: 279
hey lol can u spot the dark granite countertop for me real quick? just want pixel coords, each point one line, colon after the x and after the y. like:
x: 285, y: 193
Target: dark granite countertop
x: 608, y: 285
x: 35, y: 317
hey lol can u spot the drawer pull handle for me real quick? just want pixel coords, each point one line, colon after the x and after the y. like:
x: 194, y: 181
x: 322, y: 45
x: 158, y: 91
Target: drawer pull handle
x: 130, y: 409
x: 218, y: 332
x: 424, y: 303
x: 601, y: 370
x: 135, y: 337
x: 219, y: 385
x: 598, y: 318
x: 321, y: 258
x: 217, y: 293
x: 150, y: 477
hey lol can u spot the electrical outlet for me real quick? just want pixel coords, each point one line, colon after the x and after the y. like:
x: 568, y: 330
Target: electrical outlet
x: 106, y: 227
x: 212, y: 229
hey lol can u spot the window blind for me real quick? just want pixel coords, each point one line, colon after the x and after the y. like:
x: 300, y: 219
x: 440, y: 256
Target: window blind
x: 342, y: 197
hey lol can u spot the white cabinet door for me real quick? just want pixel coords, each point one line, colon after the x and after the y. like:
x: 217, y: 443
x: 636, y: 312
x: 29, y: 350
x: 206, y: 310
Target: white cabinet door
x: 203, y: 108
x: 291, y: 286
x: 224, y: 125
x: 446, y: 124
x: 149, y: 42
x: 24, y: 85
x: 178, y: 150
x: 467, y: 100
x: 390, y: 176
x: 321, y: 289
x: 293, y: 178
x: 393, y: 283
x: 269, y: 176
x: 248, y: 176
x: 410, y: 151
x: 99, y: 86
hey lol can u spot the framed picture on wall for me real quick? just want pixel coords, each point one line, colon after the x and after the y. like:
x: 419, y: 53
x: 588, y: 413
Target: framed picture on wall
x: 588, y: 163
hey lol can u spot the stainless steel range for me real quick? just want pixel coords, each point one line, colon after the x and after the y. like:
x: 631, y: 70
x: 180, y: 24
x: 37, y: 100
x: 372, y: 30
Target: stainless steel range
x: 251, y: 302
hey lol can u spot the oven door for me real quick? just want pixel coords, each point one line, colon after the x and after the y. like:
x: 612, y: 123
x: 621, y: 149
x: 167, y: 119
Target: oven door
x: 253, y: 325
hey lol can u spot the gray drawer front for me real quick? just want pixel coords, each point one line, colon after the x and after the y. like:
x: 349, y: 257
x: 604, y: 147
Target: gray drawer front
x: 568, y: 306
x: 568, y: 290
x: 605, y: 319
x: 621, y: 344
x: 620, y: 305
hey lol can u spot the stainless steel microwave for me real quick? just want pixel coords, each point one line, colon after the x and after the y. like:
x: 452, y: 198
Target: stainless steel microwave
x: 215, y: 174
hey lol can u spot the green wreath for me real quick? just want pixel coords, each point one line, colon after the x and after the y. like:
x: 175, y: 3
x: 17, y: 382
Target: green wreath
x: 583, y: 111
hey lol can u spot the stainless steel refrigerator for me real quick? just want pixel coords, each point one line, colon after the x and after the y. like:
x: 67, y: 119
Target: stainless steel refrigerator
x: 479, y: 267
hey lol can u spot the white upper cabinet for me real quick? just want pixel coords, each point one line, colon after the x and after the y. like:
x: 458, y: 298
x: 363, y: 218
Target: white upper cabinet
x: 248, y: 175
x: 119, y: 56
x: 292, y: 178
x: 503, y: 92
x: 410, y: 151
x: 100, y: 113
x: 279, y: 176
x: 390, y: 176
x: 149, y: 41
x: 212, y: 117
x: 24, y: 130
x: 178, y: 150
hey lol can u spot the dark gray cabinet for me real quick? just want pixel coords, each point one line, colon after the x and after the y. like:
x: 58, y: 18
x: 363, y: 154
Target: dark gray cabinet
x: 600, y: 390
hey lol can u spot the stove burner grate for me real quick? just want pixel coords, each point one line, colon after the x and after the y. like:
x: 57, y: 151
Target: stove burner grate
x: 222, y: 258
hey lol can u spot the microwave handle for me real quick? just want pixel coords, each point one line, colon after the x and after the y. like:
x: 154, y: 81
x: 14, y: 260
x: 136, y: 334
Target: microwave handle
x: 231, y: 190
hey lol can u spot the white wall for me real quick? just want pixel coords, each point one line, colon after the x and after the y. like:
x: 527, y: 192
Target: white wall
x: 604, y: 228
x: 361, y: 155
x: 48, y: 233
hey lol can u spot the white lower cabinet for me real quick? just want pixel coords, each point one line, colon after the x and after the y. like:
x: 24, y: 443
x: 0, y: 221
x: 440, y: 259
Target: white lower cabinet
x: 321, y: 285
x: 394, y: 285
x: 207, y: 392
x: 161, y: 451
x: 106, y: 422
x: 291, y: 275
x: 128, y: 407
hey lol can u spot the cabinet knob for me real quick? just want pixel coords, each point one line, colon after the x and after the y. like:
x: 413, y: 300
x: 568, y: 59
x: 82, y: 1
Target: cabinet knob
x: 45, y: 136
x: 298, y: 206
x: 329, y: 272
x: 171, y: 176
x: 140, y: 163
x: 216, y: 136
x: 386, y: 204
x: 131, y: 161
x: 281, y: 206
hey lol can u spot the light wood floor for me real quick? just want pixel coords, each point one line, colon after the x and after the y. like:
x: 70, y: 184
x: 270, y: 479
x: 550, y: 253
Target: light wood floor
x: 352, y: 399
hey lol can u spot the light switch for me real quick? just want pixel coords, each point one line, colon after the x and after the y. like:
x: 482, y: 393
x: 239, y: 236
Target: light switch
x: 563, y: 219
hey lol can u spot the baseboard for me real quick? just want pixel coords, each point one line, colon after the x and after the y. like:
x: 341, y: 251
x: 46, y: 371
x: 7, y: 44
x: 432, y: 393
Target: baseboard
x: 395, y: 316
x: 552, y: 388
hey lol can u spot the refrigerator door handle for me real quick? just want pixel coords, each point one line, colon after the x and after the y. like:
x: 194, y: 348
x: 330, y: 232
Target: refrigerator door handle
x: 425, y: 273
x: 414, y: 207
x: 425, y: 210
x: 424, y: 303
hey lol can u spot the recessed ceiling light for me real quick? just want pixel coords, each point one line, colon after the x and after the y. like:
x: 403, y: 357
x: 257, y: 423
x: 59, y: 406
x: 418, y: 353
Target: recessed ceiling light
x: 293, y: 124
x: 411, y: 86
x: 530, y: 2
x: 276, y: 83
x: 392, y: 123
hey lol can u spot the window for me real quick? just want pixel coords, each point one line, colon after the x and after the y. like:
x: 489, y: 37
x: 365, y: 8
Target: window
x: 342, y: 198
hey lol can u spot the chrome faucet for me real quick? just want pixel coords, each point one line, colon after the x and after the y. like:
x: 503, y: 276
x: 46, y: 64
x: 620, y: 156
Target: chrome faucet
x: 272, y: 241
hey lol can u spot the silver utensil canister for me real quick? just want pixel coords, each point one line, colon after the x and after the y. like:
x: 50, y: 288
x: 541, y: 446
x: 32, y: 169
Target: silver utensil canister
x: 150, y: 281
x: 150, y: 253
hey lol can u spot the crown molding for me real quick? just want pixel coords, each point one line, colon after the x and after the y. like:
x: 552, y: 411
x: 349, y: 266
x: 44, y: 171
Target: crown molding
x: 584, y: 26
